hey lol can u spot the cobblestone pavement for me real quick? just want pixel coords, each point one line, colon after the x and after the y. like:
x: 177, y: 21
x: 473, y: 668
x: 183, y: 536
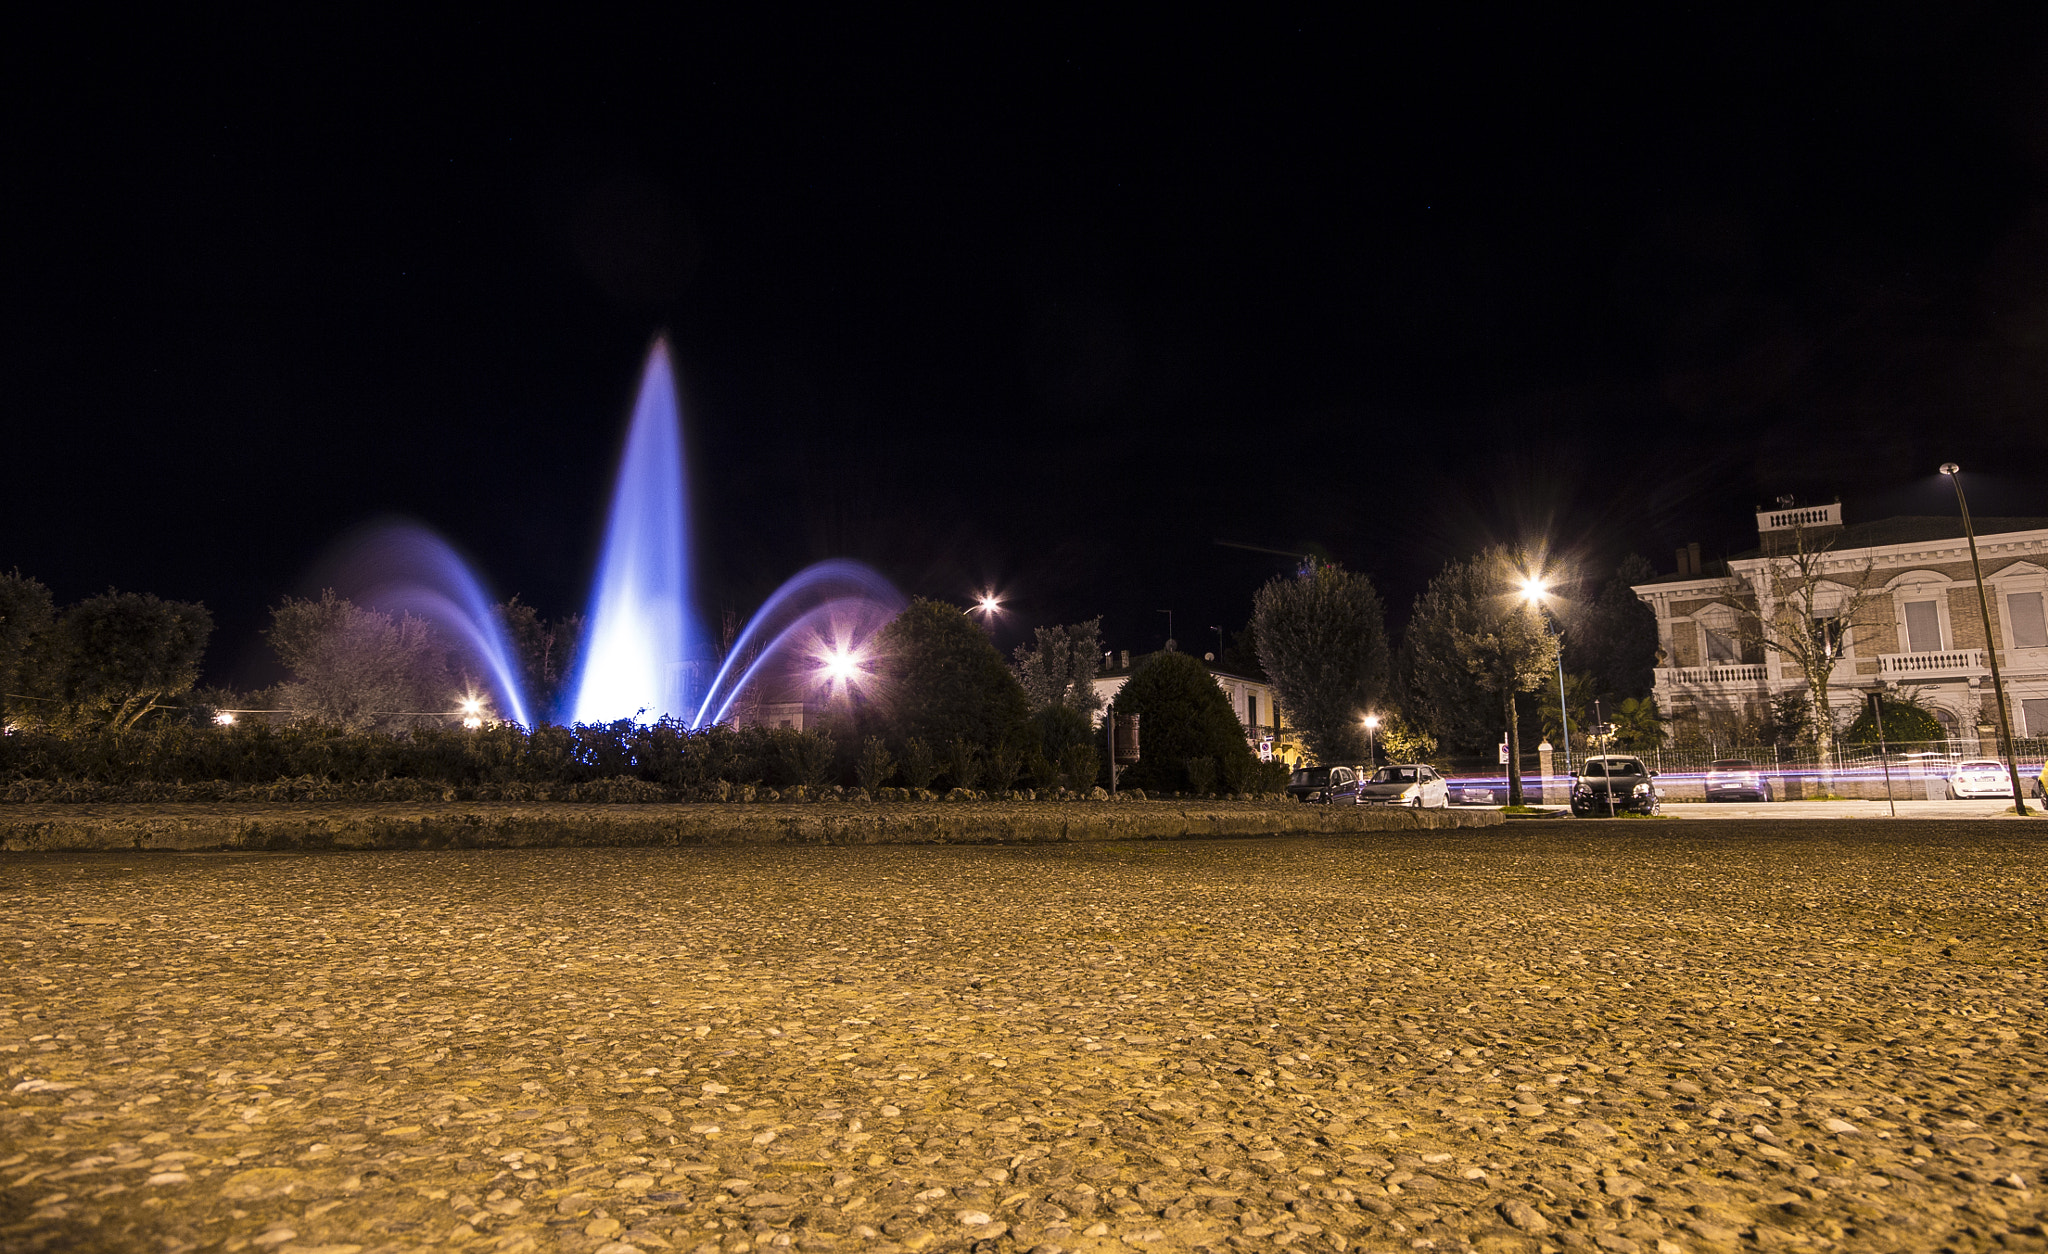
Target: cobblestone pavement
x: 1646, y: 1037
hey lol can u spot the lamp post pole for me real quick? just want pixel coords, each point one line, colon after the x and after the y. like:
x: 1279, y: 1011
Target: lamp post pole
x: 1955, y: 477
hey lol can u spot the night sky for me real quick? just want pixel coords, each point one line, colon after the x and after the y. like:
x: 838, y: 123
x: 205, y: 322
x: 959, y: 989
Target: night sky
x: 1052, y: 306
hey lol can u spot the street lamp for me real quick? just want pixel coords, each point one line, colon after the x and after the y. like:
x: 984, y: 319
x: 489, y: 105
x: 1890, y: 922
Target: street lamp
x: 1372, y: 740
x: 1955, y: 477
x: 1534, y: 589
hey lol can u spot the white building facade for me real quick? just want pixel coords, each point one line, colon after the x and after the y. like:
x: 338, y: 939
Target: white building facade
x: 1921, y: 630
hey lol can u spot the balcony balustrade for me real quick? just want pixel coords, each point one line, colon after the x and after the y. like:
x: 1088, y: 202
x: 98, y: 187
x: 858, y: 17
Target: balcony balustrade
x: 1965, y: 662
x: 1728, y: 674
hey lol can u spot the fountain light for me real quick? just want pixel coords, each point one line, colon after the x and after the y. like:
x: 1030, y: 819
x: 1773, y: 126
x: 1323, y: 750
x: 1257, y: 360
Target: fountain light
x: 472, y: 707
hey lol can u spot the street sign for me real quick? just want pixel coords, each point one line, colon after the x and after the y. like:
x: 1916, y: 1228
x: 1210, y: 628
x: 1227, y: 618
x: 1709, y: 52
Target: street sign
x: 1603, y: 729
x: 1503, y: 753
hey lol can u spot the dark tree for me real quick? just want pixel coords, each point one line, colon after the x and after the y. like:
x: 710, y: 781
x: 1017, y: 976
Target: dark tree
x: 124, y: 655
x: 1473, y: 643
x: 940, y: 678
x: 27, y: 617
x: 1322, y: 639
x: 1442, y: 695
x: 1184, y: 717
x: 1058, y: 667
x: 1614, y: 639
x: 545, y: 652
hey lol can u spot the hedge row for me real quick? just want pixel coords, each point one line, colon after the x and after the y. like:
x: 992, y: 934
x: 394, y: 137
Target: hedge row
x: 615, y: 762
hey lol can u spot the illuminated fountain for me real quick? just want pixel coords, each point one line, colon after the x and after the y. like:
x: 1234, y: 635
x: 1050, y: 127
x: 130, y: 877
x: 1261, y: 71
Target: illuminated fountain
x: 644, y: 654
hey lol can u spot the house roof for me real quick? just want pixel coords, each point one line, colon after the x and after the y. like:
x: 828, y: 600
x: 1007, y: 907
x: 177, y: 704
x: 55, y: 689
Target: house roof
x: 1905, y: 529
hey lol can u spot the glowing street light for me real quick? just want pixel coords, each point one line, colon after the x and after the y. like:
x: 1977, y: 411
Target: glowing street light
x: 226, y: 718
x: 472, y: 707
x: 2019, y: 803
x: 1534, y: 589
x: 1372, y: 739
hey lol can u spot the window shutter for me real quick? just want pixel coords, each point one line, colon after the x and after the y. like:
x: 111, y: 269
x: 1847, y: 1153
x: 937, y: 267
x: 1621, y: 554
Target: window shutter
x: 1923, y: 627
x: 2029, y: 629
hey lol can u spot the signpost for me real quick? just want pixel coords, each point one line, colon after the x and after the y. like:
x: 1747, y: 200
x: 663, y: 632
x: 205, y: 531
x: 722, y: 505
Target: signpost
x: 1884, y: 754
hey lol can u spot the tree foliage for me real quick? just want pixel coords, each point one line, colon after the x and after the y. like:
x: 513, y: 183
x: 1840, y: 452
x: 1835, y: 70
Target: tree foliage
x: 938, y: 678
x: 1184, y: 716
x: 1322, y: 639
x: 1613, y: 640
x: 359, y: 668
x: 1442, y: 694
x: 28, y: 616
x: 545, y: 652
x: 1058, y: 667
x: 1906, y: 721
x: 121, y: 656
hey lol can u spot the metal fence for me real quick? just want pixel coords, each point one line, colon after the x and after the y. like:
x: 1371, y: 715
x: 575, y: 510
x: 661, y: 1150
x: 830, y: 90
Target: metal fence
x: 1904, y: 771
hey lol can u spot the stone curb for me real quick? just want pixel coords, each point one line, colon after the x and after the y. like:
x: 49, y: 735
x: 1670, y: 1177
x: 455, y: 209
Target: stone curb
x: 197, y: 827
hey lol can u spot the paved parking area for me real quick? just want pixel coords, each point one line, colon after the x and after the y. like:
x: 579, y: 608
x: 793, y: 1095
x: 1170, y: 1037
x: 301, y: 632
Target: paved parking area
x: 1554, y: 1035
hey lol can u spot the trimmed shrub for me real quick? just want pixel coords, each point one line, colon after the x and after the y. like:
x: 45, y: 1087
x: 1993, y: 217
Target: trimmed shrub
x: 1185, y: 716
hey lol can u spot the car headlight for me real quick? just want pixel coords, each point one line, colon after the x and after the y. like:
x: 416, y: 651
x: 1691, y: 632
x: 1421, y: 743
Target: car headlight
x: 1408, y: 793
x: 1586, y: 789
x: 1642, y: 790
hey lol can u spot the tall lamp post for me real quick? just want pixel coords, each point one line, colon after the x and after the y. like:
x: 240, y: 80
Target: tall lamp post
x: 1955, y: 477
x: 1534, y: 589
x: 1372, y: 740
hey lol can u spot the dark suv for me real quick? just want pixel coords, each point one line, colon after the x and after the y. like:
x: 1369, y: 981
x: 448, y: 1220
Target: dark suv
x: 1614, y: 785
x: 1325, y: 784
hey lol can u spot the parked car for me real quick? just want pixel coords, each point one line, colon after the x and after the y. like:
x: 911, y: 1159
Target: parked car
x: 1980, y: 777
x: 1615, y: 785
x: 1737, y: 779
x: 1325, y: 785
x: 1415, y: 784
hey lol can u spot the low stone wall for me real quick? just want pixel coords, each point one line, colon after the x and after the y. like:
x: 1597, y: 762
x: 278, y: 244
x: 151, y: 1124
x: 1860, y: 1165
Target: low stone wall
x: 483, y: 825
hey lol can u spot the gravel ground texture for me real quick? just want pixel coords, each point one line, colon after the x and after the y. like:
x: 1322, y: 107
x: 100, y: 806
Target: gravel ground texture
x: 186, y: 827
x: 1541, y: 1036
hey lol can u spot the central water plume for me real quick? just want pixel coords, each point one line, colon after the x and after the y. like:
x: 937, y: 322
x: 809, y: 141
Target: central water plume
x: 641, y: 636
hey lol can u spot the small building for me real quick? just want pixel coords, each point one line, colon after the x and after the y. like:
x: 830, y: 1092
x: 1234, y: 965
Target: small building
x: 1252, y: 700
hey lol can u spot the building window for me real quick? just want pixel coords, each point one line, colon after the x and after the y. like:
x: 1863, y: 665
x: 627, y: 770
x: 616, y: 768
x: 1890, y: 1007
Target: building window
x: 1923, y: 626
x: 1830, y: 631
x: 1251, y: 709
x: 1720, y: 647
x: 2034, y: 714
x: 2029, y: 627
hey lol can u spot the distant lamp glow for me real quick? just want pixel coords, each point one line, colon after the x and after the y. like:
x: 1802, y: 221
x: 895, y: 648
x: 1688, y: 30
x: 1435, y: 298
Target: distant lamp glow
x: 226, y: 718
x: 988, y: 604
x: 1372, y: 720
x: 472, y: 711
x: 1535, y: 588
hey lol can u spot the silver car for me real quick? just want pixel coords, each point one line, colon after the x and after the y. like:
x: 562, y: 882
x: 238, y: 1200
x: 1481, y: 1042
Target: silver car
x: 1415, y: 784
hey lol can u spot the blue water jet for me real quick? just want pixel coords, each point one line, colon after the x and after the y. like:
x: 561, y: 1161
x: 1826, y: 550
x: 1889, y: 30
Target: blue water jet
x: 640, y: 635
x: 643, y: 653
x: 404, y: 568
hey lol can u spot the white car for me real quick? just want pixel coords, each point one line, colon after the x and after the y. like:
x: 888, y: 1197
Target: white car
x: 1415, y: 784
x: 1981, y: 778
